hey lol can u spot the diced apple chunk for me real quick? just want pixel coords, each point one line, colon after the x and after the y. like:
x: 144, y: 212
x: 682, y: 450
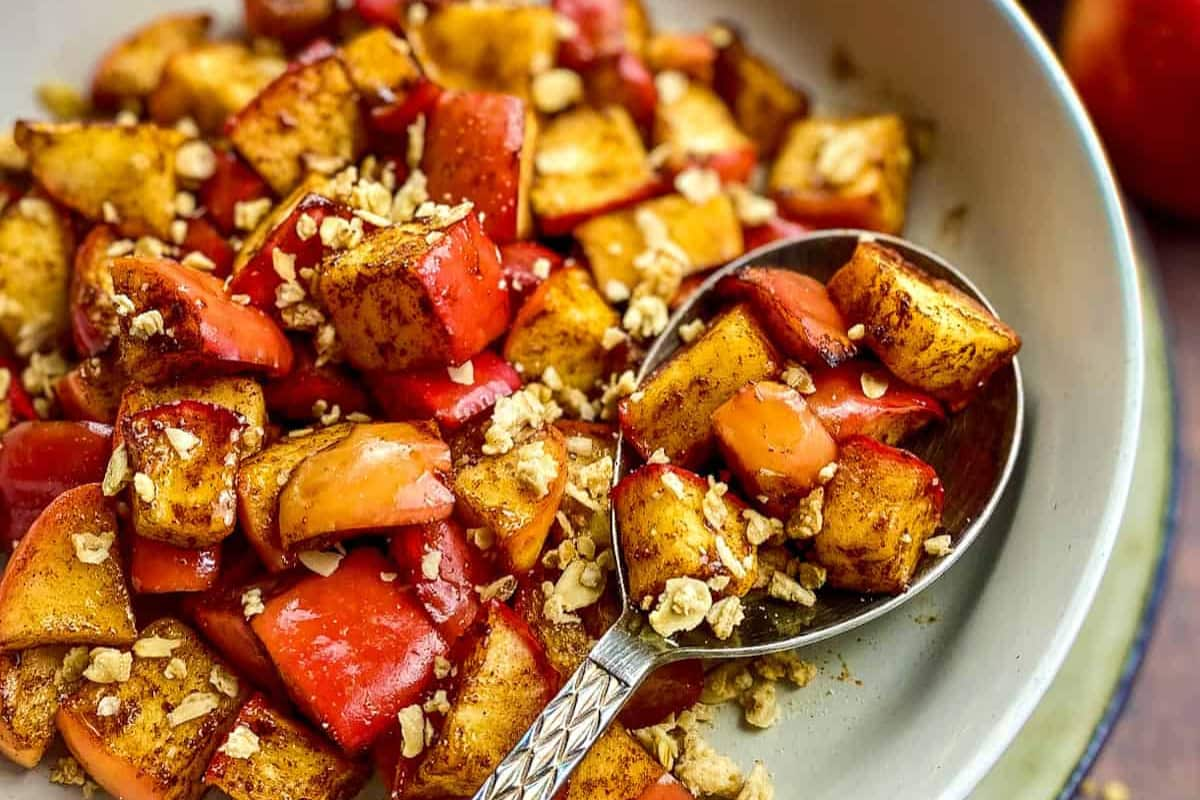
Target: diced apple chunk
x: 880, y: 507
x: 504, y: 681
x: 310, y: 112
x: 928, y: 333
x: 707, y: 233
x: 380, y: 475
x: 588, y: 162
x: 562, y: 326
x: 672, y: 410
x: 158, y: 743
x: 415, y: 295
x: 851, y: 173
x: 774, y: 444
x: 183, y: 457
x: 267, y: 755
x: 516, y: 495
x: 49, y: 595
x: 32, y: 684
x: 666, y: 532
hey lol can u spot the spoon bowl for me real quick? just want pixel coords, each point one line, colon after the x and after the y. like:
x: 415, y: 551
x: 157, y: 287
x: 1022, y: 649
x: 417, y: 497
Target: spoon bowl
x: 974, y: 453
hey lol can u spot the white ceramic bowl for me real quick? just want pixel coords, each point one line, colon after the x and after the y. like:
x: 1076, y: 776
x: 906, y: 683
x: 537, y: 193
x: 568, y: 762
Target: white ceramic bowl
x: 906, y: 707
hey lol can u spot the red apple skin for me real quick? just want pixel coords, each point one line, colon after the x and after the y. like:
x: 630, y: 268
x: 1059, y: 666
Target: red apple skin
x: 1136, y: 64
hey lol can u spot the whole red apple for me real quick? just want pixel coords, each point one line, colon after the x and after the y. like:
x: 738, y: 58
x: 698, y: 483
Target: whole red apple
x: 1136, y: 63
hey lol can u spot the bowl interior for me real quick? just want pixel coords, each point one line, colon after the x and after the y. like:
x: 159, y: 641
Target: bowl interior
x: 918, y: 704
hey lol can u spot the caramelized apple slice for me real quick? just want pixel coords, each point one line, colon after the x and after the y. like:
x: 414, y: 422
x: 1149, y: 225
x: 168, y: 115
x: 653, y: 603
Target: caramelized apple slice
x: 260, y: 481
x: 796, y: 311
x: 774, y: 444
x: 201, y: 328
x: 65, y: 583
x: 184, y: 459
x: 382, y: 475
x: 41, y: 460
x: 290, y: 760
x: 158, y: 743
x: 32, y: 684
x: 492, y: 493
x: 880, y: 507
x: 351, y: 666
x: 844, y: 408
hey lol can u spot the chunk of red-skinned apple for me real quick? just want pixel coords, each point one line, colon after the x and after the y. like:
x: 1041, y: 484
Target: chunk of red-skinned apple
x: 773, y: 443
x: 261, y: 480
x: 41, y: 460
x: 880, y: 507
x: 415, y: 295
x: 351, y: 667
x: 186, y: 455
x: 183, y: 320
x: 451, y: 396
x: 526, y: 265
x: 503, y: 678
x: 443, y: 568
x: 93, y: 318
x: 233, y: 182
x: 65, y: 582
x: 841, y: 402
x: 290, y: 760
x: 499, y: 131
x: 308, y: 388
x: 258, y: 279
x: 796, y: 311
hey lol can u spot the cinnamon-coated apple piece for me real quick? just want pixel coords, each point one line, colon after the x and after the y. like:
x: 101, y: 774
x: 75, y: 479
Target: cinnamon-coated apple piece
x: 880, y: 507
x: 65, y: 582
x: 796, y: 311
x: 167, y: 723
x: 428, y: 293
x: 434, y: 393
x: 208, y: 331
x: 890, y: 413
x: 503, y: 682
x: 288, y: 759
x: 500, y: 133
x: 515, y: 494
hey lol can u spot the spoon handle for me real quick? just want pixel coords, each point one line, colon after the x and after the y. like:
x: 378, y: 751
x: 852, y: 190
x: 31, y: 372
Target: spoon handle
x: 571, y: 723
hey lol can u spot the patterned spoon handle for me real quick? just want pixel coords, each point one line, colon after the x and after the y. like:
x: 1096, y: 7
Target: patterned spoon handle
x: 572, y: 722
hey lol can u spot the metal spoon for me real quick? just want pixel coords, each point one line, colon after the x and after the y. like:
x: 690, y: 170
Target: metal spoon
x: 973, y: 452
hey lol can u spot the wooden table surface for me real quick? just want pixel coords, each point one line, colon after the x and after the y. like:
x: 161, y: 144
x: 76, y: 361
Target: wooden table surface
x: 1154, y: 749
